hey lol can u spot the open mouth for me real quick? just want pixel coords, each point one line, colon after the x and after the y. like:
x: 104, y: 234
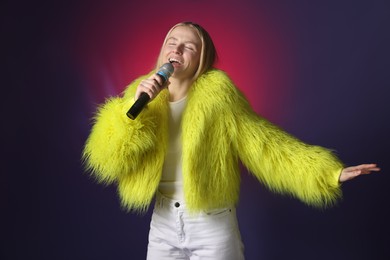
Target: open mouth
x: 174, y: 61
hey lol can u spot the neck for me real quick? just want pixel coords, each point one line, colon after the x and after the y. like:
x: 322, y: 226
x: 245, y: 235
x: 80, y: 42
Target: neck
x: 178, y: 89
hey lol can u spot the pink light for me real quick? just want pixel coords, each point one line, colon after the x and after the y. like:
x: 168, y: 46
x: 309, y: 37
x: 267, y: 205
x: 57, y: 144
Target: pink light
x: 119, y: 43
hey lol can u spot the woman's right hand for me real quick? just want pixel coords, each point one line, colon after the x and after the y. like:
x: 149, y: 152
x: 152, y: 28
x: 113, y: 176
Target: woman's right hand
x: 151, y: 86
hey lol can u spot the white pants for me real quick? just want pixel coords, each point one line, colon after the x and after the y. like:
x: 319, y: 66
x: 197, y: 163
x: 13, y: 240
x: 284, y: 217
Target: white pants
x: 177, y: 234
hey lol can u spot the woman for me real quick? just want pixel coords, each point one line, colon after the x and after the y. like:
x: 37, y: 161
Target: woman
x: 184, y: 149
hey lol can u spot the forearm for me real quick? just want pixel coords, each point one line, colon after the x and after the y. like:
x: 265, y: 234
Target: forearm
x: 287, y: 165
x: 116, y: 142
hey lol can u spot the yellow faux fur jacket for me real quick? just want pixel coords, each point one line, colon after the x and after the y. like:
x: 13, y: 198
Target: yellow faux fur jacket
x: 219, y: 128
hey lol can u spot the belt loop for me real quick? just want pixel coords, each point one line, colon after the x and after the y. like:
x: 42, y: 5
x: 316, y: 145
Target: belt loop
x: 159, y: 200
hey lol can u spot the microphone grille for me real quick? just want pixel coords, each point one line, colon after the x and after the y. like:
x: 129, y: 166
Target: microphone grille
x: 166, y: 70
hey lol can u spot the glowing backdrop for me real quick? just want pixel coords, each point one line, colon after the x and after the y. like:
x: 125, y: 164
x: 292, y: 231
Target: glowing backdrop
x: 319, y: 69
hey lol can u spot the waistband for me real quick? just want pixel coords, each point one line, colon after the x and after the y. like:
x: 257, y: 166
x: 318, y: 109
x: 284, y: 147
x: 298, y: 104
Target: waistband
x: 163, y: 201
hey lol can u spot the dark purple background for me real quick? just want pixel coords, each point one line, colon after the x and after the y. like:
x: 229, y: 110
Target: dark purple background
x: 319, y: 69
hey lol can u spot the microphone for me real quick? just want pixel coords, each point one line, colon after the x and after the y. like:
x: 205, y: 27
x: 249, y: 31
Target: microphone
x: 164, y: 73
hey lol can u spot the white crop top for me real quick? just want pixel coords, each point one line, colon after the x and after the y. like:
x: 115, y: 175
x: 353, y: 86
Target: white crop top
x: 171, y: 184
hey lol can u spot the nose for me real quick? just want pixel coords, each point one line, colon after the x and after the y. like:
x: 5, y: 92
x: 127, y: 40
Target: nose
x: 178, y: 49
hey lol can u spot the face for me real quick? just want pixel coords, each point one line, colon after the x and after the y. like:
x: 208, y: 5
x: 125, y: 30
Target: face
x: 182, y: 49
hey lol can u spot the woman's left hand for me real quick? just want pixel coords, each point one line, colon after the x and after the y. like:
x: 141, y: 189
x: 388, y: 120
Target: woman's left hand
x: 352, y: 172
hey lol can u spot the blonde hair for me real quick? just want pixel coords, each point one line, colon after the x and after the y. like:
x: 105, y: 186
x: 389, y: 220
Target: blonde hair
x: 208, y: 53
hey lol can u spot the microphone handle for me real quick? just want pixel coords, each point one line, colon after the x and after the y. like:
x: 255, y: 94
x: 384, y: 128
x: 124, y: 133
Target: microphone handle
x: 143, y: 99
x: 138, y: 106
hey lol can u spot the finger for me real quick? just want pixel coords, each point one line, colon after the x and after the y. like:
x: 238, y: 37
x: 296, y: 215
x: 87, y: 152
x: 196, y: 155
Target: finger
x: 157, y: 84
x: 158, y: 80
x: 144, y: 87
x: 362, y: 167
x: 356, y: 172
x: 149, y: 90
x: 370, y: 170
x: 138, y: 92
x: 153, y: 85
x: 366, y: 166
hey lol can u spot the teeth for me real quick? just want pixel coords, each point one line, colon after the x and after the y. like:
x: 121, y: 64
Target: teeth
x: 174, y: 60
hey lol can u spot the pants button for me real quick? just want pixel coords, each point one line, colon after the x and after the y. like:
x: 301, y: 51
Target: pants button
x: 177, y: 204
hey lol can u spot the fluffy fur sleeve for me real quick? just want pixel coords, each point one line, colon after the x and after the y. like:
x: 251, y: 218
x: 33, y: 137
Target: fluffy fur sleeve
x: 277, y: 159
x: 116, y: 143
x: 284, y: 163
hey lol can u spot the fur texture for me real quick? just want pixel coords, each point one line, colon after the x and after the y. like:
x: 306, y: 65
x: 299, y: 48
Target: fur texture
x: 219, y: 129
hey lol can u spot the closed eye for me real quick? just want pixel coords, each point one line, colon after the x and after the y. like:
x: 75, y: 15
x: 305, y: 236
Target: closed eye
x: 190, y: 47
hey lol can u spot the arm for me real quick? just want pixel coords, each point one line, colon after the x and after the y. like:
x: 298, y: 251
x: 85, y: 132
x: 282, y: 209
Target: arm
x: 284, y: 163
x: 116, y: 143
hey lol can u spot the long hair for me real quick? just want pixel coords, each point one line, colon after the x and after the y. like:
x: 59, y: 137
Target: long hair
x: 208, y: 54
